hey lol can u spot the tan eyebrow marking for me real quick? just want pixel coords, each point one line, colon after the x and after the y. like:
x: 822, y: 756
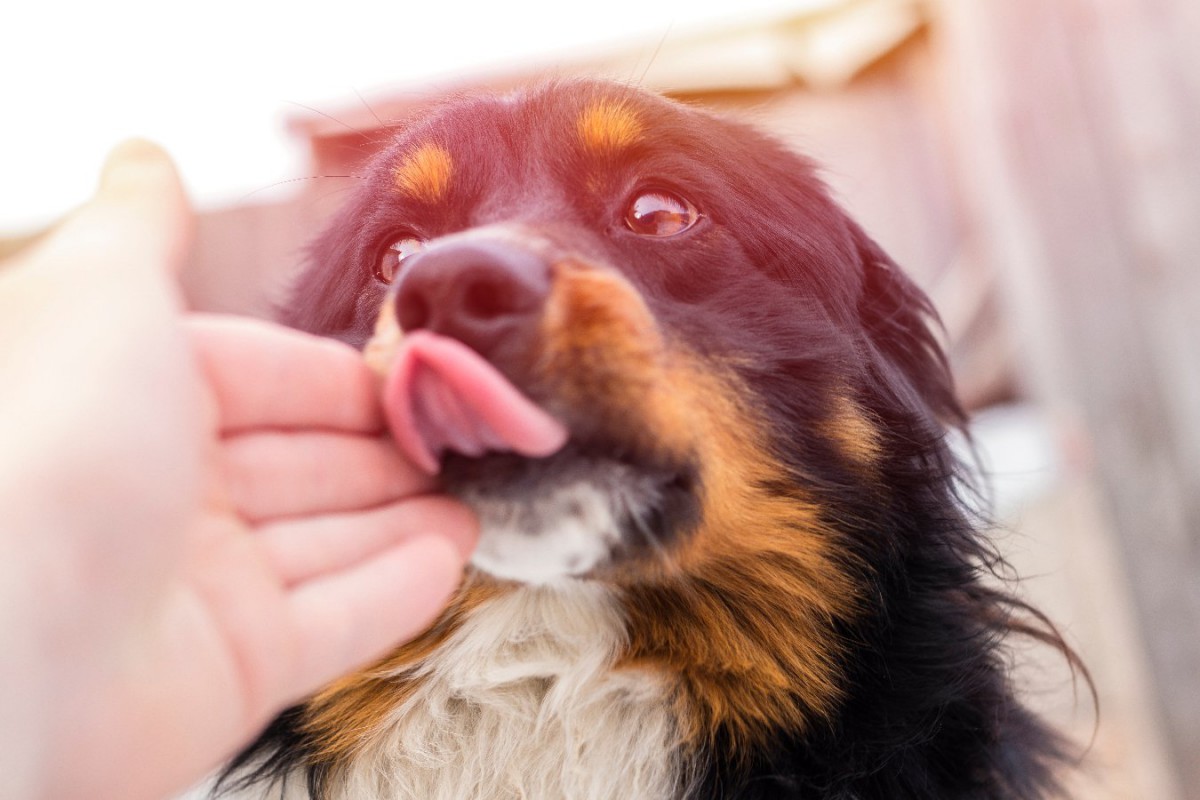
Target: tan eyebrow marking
x: 608, y: 125
x: 425, y: 173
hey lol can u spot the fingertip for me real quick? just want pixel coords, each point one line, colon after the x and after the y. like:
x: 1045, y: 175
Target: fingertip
x: 267, y: 375
x: 444, y: 557
x: 427, y: 570
x: 139, y: 217
x: 134, y: 152
x: 344, y: 622
x: 132, y: 167
x: 460, y: 527
x: 138, y: 172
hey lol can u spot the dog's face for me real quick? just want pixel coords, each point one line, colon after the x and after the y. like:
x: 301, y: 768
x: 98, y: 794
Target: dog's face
x: 677, y: 291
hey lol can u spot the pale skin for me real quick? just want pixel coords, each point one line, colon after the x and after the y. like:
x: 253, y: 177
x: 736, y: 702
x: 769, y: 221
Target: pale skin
x: 202, y: 518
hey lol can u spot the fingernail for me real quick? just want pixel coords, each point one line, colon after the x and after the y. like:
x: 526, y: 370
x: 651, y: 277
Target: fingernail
x: 131, y: 164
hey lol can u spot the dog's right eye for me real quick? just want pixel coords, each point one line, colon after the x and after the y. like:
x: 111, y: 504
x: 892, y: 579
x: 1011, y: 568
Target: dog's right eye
x: 394, y: 256
x: 660, y: 213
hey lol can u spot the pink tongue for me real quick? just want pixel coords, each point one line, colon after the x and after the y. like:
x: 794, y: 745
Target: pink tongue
x: 441, y: 395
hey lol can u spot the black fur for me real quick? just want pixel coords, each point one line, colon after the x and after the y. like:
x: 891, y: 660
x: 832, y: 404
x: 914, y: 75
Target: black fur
x: 779, y: 276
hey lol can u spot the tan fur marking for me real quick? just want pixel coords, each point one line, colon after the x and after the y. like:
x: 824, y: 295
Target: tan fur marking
x: 740, y: 616
x: 607, y: 125
x: 746, y: 619
x: 347, y: 713
x: 425, y: 173
x: 852, y: 429
x: 603, y: 354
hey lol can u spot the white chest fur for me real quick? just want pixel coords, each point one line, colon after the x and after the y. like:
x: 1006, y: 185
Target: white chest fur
x: 521, y: 703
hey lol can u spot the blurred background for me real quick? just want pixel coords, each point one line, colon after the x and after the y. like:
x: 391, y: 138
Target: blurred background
x: 1034, y: 163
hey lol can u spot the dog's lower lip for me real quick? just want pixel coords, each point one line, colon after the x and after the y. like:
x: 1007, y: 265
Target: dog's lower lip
x: 514, y: 478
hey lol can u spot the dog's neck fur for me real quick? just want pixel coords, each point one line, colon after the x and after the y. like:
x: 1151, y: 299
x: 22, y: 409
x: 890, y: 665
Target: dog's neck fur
x: 522, y: 702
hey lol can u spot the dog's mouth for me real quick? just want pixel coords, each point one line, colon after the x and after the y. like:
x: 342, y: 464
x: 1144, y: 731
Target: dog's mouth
x: 443, y: 397
x: 583, y: 478
x: 578, y: 513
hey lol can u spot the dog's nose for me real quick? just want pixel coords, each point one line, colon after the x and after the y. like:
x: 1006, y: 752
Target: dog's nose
x: 480, y: 293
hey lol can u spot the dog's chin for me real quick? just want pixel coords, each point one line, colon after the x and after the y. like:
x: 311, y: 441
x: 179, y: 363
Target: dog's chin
x: 571, y: 516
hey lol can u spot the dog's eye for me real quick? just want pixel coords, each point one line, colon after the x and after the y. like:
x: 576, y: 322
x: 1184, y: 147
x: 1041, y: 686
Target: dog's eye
x: 389, y: 263
x: 659, y: 213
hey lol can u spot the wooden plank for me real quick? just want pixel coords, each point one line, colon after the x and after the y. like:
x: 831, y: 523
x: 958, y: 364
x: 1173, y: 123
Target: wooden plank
x: 1079, y: 151
x: 1074, y: 573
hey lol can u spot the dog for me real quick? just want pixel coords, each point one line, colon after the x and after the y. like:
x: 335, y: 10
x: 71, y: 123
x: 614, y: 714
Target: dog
x: 726, y: 549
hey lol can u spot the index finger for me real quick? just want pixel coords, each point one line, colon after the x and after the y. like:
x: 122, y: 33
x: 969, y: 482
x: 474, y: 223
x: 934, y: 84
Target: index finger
x: 267, y: 376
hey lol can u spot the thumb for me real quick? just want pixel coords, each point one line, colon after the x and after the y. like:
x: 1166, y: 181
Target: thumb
x: 139, y: 219
x: 139, y: 176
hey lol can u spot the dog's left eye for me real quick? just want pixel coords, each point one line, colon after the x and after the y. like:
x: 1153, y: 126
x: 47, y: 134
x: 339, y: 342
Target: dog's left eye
x: 660, y: 213
x: 389, y: 263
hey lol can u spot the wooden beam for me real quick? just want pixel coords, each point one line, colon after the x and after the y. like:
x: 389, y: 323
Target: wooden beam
x: 1079, y: 151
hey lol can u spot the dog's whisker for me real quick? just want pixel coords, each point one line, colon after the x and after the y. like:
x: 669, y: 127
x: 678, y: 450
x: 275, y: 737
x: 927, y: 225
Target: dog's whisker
x: 654, y: 56
x: 308, y: 178
x: 369, y: 109
x: 366, y: 134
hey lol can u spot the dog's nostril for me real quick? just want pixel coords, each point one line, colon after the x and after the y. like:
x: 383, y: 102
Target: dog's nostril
x: 477, y: 292
x: 412, y: 311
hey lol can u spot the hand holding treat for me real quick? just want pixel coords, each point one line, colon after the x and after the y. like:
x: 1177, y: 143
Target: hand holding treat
x: 201, y: 523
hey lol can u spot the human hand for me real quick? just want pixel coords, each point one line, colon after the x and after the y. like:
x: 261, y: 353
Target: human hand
x: 200, y: 522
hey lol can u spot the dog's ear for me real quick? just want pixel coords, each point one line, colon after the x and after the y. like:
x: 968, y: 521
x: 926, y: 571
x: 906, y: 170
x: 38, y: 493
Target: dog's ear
x: 334, y: 295
x: 902, y: 328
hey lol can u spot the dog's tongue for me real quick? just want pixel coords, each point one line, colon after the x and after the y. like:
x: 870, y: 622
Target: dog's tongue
x: 441, y: 395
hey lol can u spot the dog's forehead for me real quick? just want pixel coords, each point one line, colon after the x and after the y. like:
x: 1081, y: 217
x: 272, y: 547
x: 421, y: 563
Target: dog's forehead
x: 591, y: 117
x: 528, y: 132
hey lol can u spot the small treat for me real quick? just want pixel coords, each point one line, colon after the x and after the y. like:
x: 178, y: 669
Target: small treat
x: 384, y: 345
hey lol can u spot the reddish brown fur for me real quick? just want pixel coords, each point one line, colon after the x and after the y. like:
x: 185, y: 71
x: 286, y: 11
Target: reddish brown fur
x: 424, y: 174
x: 851, y: 427
x: 731, y: 672
x: 603, y: 354
x: 608, y: 125
x: 769, y: 654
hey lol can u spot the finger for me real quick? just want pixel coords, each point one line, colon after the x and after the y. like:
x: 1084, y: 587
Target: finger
x: 138, y: 219
x: 265, y: 375
x: 92, y: 312
x: 100, y: 278
x: 310, y: 547
x: 350, y: 618
x: 279, y: 474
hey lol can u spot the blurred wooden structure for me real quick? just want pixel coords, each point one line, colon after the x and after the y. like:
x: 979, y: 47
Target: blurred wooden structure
x: 1036, y: 164
x: 1078, y: 133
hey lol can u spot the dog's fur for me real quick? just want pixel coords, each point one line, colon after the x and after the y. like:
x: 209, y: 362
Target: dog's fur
x: 750, y: 573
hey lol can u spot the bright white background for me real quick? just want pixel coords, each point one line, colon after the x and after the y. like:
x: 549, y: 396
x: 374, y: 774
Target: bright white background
x: 214, y: 81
